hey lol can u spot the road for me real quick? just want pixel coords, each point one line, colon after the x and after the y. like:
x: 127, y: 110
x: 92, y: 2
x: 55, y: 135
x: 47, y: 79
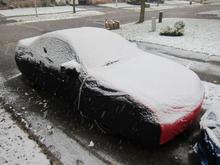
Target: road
x: 71, y: 134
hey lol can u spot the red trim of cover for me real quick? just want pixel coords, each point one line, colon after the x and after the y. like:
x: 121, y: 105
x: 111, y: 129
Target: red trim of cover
x: 169, y: 131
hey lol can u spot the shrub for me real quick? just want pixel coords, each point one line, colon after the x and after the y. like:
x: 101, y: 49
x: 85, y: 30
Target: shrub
x: 179, y: 25
x: 177, y: 30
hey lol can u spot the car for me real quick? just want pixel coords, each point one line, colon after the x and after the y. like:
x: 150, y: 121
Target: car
x: 123, y: 89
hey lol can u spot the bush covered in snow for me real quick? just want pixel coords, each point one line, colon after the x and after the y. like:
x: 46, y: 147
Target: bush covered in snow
x: 179, y: 25
x: 177, y: 30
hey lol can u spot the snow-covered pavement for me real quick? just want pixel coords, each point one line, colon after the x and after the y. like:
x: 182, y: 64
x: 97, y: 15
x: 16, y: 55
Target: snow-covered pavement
x: 15, y: 146
x: 27, y: 15
x: 52, y: 17
x: 40, y: 10
x: 153, y: 6
x: 201, y: 35
x: 210, y: 12
x: 212, y: 94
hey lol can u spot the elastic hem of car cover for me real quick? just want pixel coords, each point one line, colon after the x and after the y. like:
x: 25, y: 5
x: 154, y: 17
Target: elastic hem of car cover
x: 169, y: 131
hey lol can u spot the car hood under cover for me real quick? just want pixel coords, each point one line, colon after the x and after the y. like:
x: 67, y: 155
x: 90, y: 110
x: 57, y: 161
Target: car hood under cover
x: 165, y: 87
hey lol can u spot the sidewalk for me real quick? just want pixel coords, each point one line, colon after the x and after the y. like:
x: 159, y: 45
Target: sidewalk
x: 28, y: 15
x: 211, y: 13
x: 15, y: 146
x: 153, y: 6
x: 40, y: 10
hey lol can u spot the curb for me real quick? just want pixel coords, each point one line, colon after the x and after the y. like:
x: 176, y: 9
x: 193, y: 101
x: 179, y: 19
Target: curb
x: 180, y: 53
x: 208, y: 70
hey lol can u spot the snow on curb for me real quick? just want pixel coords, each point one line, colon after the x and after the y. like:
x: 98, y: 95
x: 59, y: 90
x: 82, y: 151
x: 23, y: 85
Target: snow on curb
x: 52, y: 17
x: 153, y: 6
x: 212, y: 95
x: 201, y: 35
x: 210, y: 12
x: 16, y: 147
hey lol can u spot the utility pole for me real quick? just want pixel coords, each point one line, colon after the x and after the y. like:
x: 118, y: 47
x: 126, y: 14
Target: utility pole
x: 35, y: 5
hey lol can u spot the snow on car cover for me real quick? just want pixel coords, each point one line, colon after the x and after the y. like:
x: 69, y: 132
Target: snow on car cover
x: 208, y: 146
x: 125, y: 90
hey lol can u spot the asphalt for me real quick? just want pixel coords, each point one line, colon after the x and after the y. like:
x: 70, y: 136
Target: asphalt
x: 40, y: 109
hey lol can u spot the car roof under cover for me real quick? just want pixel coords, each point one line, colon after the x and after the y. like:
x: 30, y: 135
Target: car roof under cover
x: 96, y: 46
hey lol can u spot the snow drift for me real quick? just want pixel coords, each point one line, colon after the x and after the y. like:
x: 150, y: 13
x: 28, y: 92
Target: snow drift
x: 125, y: 90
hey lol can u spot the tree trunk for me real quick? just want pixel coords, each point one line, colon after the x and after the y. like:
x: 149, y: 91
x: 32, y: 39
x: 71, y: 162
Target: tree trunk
x: 158, y: 2
x: 74, y: 6
x: 142, y: 12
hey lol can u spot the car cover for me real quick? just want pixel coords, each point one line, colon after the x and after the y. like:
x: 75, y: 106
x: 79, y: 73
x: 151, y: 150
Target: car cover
x: 125, y: 90
x: 208, y: 146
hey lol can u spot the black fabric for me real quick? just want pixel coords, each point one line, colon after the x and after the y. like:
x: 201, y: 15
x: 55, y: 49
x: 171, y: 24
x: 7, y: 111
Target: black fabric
x: 207, y: 150
x: 123, y: 117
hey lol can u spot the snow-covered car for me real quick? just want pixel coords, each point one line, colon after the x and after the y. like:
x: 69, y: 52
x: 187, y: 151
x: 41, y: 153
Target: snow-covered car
x: 111, y: 81
x: 208, y: 146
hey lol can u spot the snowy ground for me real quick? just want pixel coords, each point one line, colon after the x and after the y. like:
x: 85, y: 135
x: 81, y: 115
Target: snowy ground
x: 40, y: 10
x: 212, y: 95
x: 215, y: 3
x: 153, y: 6
x: 51, y: 17
x: 212, y: 2
x: 211, y: 12
x: 27, y: 15
x: 201, y: 35
x: 15, y: 146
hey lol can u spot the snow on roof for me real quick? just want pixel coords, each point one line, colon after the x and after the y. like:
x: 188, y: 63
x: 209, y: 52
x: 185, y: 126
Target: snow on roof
x: 96, y: 46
